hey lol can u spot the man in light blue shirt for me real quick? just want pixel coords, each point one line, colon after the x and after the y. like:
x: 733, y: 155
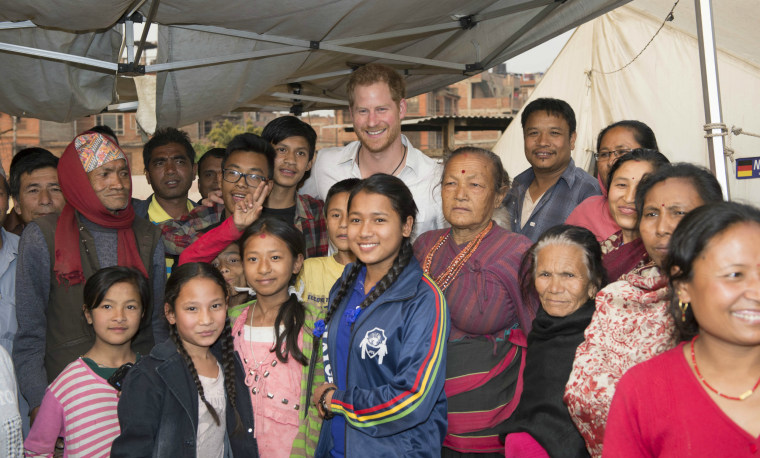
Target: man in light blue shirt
x: 8, y: 255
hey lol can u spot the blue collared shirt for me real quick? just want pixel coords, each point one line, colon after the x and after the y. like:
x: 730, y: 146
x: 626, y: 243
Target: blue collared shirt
x: 572, y: 188
x: 8, y: 255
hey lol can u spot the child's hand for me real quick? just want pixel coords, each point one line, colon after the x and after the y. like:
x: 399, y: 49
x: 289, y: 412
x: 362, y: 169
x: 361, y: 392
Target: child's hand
x: 318, y: 395
x: 249, y: 209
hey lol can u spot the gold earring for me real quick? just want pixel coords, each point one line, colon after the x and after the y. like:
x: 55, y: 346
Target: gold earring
x: 683, y: 306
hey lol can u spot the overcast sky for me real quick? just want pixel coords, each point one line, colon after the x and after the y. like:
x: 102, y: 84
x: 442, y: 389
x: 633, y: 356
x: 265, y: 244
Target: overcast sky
x: 539, y: 58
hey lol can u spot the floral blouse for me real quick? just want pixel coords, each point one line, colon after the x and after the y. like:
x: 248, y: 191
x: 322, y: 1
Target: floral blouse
x: 631, y: 325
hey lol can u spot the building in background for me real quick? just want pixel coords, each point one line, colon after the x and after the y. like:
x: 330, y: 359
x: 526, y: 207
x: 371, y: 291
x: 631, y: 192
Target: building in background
x: 494, y: 93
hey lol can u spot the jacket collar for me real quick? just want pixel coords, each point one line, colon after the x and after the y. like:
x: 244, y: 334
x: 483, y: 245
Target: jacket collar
x: 403, y: 288
x: 526, y: 178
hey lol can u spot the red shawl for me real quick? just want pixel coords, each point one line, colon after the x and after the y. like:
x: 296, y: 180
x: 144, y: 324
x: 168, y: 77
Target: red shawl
x: 80, y: 196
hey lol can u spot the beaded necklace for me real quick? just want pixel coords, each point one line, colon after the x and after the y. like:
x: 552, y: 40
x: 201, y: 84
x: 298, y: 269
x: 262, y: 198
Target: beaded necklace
x: 452, y: 270
x: 742, y: 397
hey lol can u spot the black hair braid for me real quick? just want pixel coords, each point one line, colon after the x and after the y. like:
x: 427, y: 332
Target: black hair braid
x: 189, y: 361
x: 228, y: 364
x: 344, y: 287
x: 405, y: 255
x: 293, y: 314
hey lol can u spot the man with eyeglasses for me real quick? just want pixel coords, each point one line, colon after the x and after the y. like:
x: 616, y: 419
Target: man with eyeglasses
x: 246, y: 177
x: 546, y: 193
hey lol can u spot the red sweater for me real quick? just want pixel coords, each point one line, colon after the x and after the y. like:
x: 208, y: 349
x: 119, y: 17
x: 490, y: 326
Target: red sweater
x: 660, y: 409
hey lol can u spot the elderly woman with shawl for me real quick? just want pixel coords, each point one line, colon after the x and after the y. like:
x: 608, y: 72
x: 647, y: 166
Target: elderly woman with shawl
x: 475, y: 263
x: 564, y: 269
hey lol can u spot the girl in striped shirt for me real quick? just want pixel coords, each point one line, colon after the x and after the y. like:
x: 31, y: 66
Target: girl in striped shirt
x: 80, y: 404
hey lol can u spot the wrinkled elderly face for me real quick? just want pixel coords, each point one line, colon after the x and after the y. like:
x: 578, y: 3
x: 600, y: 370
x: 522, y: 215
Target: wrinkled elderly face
x: 561, y: 279
x: 468, y: 192
x: 112, y: 184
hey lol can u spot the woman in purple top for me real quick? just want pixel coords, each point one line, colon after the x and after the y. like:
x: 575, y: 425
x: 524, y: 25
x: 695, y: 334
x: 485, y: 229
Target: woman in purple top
x: 475, y: 263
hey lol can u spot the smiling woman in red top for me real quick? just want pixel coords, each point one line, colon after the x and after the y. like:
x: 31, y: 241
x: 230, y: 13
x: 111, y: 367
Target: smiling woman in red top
x: 714, y: 373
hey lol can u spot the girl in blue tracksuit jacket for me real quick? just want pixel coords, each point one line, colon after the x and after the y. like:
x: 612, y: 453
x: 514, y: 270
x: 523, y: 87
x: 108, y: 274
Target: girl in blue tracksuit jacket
x: 383, y: 338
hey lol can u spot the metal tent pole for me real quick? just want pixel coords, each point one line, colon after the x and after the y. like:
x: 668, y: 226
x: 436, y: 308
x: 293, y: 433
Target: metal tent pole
x: 708, y: 63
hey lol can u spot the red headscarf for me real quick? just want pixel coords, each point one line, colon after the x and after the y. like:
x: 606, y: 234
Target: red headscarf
x: 92, y: 149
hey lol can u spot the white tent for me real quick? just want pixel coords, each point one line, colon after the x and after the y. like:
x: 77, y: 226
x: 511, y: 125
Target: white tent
x: 661, y: 87
x: 60, y: 60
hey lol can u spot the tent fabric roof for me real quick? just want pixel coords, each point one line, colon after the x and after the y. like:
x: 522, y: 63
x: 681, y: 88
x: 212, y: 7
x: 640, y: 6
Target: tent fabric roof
x: 312, y: 43
x: 662, y: 87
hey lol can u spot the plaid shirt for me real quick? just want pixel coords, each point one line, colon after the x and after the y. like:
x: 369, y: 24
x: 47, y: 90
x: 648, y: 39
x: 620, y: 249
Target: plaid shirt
x: 572, y: 188
x: 310, y: 220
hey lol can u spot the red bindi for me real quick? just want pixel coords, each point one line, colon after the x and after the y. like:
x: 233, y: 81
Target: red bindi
x: 463, y: 170
x: 263, y: 236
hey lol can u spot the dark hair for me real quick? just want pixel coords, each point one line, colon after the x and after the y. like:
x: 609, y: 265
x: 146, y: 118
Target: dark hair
x: 642, y: 133
x: 688, y: 242
x: 403, y: 203
x: 703, y: 181
x: 105, y: 130
x: 292, y: 313
x: 27, y: 161
x: 96, y: 287
x: 370, y: 74
x: 218, y: 153
x: 565, y: 235
x: 251, y: 143
x: 500, y: 176
x: 654, y: 157
x: 164, y: 137
x: 180, y: 276
x: 554, y: 107
x: 346, y: 185
x: 284, y: 127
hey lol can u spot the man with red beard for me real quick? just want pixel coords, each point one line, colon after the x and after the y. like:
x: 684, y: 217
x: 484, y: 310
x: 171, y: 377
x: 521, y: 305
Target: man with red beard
x: 377, y: 105
x: 545, y: 194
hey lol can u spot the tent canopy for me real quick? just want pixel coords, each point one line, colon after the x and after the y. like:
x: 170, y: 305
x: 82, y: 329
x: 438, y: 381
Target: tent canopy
x: 218, y: 57
x: 597, y: 74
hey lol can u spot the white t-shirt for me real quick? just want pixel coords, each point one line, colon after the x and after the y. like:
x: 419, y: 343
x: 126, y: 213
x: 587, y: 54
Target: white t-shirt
x: 421, y: 174
x: 210, y: 442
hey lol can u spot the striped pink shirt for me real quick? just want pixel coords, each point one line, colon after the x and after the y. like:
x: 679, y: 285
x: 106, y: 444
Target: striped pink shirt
x: 79, y: 406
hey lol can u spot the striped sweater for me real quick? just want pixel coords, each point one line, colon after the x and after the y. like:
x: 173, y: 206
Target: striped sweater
x: 79, y: 406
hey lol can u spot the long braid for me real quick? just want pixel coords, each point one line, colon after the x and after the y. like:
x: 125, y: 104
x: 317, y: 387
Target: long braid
x: 191, y: 367
x: 342, y: 291
x: 228, y: 364
x: 402, y: 260
x: 344, y: 287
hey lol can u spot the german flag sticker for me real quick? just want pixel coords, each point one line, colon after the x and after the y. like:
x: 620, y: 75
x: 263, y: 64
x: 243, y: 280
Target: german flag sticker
x: 744, y: 168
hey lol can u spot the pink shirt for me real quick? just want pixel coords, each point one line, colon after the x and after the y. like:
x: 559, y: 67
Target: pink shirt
x: 80, y: 406
x: 661, y: 410
x: 594, y: 214
x: 275, y: 390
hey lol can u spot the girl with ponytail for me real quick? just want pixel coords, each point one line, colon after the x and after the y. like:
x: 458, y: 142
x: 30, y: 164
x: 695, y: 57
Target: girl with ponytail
x: 383, y: 338
x: 188, y: 397
x: 273, y: 338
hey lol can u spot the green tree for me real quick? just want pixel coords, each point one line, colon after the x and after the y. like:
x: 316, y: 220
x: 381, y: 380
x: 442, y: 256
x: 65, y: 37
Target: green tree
x: 222, y: 133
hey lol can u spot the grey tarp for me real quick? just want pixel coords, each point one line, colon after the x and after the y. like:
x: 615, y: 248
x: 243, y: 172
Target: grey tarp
x: 304, y: 39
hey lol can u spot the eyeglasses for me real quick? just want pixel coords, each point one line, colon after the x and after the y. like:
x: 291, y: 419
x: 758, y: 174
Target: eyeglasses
x: 605, y: 155
x: 251, y: 179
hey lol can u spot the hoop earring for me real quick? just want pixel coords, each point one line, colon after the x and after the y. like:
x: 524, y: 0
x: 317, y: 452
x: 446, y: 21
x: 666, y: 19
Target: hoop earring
x: 684, y: 306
